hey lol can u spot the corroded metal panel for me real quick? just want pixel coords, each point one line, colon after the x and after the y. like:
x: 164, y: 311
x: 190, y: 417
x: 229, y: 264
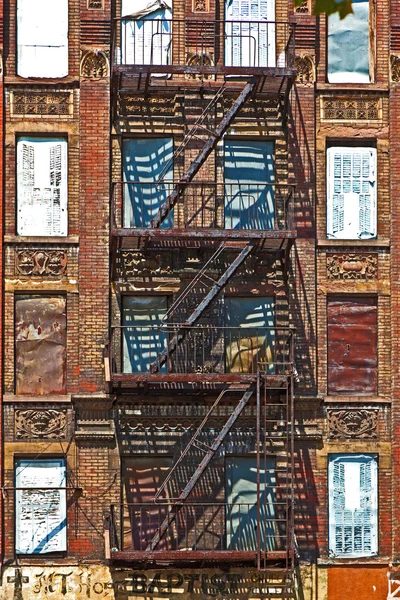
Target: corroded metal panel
x: 352, y: 345
x: 40, y: 345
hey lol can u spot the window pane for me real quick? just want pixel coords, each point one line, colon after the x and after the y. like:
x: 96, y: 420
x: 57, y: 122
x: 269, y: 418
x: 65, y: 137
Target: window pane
x: 40, y: 514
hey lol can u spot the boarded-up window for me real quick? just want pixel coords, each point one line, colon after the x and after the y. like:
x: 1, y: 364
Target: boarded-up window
x: 351, y: 192
x: 242, y: 509
x: 42, y: 188
x: 349, y: 45
x: 146, y: 36
x: 40, y: 345
x: 250, y: 33
x: 42, y: 34
x: 145, y: 161
x: 142, y: 338
x: 352, y: 346
x: 40, y: 514
x: 142, y: 477
x: 249, y: 339
x: 353, y: 505
x: 249, y: 172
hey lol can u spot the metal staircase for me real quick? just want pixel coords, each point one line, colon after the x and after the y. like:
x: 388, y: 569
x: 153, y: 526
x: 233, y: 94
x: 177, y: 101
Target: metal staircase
x: 209, y: 452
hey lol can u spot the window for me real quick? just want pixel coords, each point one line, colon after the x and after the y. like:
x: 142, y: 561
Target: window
x: 248, y: 337
x: 353, y: 505
x: 142, y: 338
x: 42, y: 37
x: 352, y: 345
x: 40, y: 345
x: 40, y: 513
x: 249, y: 174
x: 145, y: 161
x: 242, y: 509
x: 250, y: 33
x: 351, y: 192
x: 349, y: 52
x: 146, y: 34
x: 42, y: 187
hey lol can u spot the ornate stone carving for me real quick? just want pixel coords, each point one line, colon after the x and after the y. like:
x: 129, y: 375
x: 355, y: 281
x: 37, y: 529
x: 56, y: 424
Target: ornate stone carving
x: 351, y: 109
x: 40, y: 262
x: 304, y: 7
x: 136, y: 106
x: 305, y: 67
x: 95, y: 4
x: 352, y: 266
x: 137, y: 264
x: 201, y: 6
x: 94, y: 64
x: 41, y: 103
x: 353, y: 423
x: 395, y: 68
x: 197, y: 59
x: 40, y: 423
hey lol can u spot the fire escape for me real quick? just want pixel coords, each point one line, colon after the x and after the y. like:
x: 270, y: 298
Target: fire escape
x: 193, y: 213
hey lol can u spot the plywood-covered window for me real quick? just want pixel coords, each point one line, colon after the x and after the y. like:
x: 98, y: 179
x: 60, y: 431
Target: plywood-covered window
x: 42, y: 37
x: 42, y: 186
x: 349, y: 45
x: 146, y: 32
x: 353, y: 505
x: 249, y: 174
x: 352, y: 345
x: 143, y: 339
x: 142, y: 477
x: 145, y: 163
x: 40, y: 513
x: 351, y: 192
x: 243, y: 500
x: 249, y: 334
x: 40, y: 345
x: 250, y: 33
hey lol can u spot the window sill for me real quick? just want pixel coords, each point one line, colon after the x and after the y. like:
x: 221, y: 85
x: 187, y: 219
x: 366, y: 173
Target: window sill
x: 364, y: 560
x: 364, y: 87
x: 380, y: 243
x: 41, y: 239
x: 15, y: 398
x: 364, y: 399
x: 67, y: 81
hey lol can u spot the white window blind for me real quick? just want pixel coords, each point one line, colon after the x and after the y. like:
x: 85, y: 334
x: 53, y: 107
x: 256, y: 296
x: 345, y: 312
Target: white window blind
x: 351, y: 193
x: 250, y: 33
x: 42, y: 187
x: 353, y: 505
x: 40, y: 513
x: 42, y: 37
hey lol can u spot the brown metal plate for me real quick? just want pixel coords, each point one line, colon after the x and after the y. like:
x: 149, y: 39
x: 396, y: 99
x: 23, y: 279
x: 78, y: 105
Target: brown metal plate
x: 40, y: 345
x: 352, y: 346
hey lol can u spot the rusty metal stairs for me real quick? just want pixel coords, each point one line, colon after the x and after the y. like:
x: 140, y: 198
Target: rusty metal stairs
x: 216, y: 287
x: 212, y: 139
x: 246, y: 391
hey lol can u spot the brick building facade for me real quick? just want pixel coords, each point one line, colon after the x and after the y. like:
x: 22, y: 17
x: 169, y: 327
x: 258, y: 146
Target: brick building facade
x: 200, y: 300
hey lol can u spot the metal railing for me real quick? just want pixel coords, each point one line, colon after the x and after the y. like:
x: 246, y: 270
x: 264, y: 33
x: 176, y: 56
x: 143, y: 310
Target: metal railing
x: 202, y: 46
x: 205, y: 527
x: 201, y: 349
x: 206, y: 205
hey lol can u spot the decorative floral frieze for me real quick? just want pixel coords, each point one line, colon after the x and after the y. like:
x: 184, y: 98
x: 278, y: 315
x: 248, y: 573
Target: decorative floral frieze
x: 352, y: 266
x: 305, y: 69
x: 353, y: 423
x: 39, y: 104
x: 136, y: 106
x: 133, y: 263
x: 94, y: 64
x: 351, y: 109
x: 40, y: 262
x: 40, y: 423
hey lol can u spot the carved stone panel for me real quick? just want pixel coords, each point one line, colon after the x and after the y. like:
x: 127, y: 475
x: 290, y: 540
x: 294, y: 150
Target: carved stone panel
x: 94, y: 64
x: 352, y: 266
x: 38, y: 104
x: 154, y: 106
x: 40, y: 262
x: 138, y: 264
x: 353, y: 423
x: 40, y: 423
x: 95, y: 4
x: 395, y: 68
x: 304, y: 7
x: 201, y: 6
x: 351, y: 109
x: 305, y: 67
